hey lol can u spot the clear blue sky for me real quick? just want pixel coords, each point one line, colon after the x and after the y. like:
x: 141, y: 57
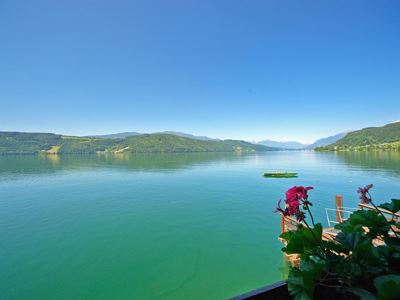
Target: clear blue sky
x: 285, y: 70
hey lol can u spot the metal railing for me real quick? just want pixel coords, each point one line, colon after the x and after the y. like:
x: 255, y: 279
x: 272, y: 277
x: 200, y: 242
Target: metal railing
x: 340, y: 214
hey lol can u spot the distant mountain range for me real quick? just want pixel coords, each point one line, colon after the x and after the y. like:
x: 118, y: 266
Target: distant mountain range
x: 371, y: 138
x: 283, y: 145
x: 12, y: 143
x: 298, y: 145
x: 122, y: 135
x: 328, y: 140
x: 191, y: 136
x: 268, y: 143
x: 385, y: 137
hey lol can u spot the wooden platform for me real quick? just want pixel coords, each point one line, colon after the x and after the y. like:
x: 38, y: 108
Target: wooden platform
x: 288, y: 223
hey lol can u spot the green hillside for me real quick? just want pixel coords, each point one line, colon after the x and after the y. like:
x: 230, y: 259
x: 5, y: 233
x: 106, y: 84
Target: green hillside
x: 171, y: 143
x: 372, y: 138
x: 27, y: 143
x: 47, y: 143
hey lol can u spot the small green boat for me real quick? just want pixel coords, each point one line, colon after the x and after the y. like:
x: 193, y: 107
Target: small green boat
x: 281, y: 175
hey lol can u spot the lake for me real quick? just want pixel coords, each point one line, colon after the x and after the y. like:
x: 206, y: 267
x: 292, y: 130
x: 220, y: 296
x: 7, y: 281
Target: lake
x: 162, y: 226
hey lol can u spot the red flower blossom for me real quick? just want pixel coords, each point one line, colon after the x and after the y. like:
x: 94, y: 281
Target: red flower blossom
x: 364, y: 193
x: 298, y: 192
x: 293, y: 197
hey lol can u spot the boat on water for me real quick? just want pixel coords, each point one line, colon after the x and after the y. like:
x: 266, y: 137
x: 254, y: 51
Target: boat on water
x: 281, y: 175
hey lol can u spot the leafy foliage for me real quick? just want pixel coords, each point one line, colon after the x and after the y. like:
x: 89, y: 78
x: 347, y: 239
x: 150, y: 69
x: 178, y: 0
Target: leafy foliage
x: 365, y: 221
x: 351, y: 264
x: 393, y: 206
x: 303, y: 241
x: 301, y: 280
x: 388, y: 287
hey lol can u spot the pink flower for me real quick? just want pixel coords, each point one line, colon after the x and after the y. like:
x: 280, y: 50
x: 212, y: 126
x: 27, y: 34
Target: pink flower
x: 298, y: 192
x: 292, y: 203
x: 290, y: 210
x: 305, y: 194
x: 364, y: 193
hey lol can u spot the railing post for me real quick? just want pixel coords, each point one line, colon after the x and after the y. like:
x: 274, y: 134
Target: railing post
x: 339, y: 208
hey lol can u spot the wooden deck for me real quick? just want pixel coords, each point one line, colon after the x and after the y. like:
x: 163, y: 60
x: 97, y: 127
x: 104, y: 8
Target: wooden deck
x: 288, y: 223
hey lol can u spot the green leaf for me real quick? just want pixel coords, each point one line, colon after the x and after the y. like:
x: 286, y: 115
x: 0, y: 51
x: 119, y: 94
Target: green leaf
x: 361, y: 219
x: 388, y: 287
x: 348, y: 269
x: 365, y: 251
x: 313, y: 237
x: 303, y: 241
x: 297, y: 290
x: 393, y: 207
x: 363, y: 294
x: 336, y: 247
x: 301, y: 281
x: 392, y: 241
x: 351, y: 240
x: 364, y: 258
x: 286, y: 235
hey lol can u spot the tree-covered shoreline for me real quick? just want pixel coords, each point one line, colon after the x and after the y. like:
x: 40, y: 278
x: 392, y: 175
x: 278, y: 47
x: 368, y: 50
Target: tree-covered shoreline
x: 21, y: 143
x: 368, y: 139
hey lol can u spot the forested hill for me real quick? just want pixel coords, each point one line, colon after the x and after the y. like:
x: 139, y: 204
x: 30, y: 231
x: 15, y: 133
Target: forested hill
x: 48, y: 143
x: 385, y: 137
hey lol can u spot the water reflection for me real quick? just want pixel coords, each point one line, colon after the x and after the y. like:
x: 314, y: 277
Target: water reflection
x: 373, y: 160
x: 173, y: 162
x: 47, y: 164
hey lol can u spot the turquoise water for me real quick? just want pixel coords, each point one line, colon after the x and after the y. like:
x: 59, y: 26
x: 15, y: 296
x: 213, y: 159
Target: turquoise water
x: 177, y: 226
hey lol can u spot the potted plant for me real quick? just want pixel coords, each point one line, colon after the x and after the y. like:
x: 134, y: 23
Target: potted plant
x: 361, y: 262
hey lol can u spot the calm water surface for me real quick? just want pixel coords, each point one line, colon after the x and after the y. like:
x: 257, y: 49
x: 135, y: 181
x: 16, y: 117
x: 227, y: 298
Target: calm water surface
x: 178, y: 226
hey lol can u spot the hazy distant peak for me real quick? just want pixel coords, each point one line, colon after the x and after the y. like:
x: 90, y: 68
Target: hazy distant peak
x: 283, y: 144
x: 328, y: 140
x: 188, y: 135
x: 297, y: 145
x: 119, y: 135
x: 267, y: 142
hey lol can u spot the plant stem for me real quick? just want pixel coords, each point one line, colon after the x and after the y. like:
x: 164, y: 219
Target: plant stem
x: 312, y: 218
x: 328, y: 285
x: 370, y: 198
x: 329, y: 279
x: 327, y: 273
x: 315, y: 238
